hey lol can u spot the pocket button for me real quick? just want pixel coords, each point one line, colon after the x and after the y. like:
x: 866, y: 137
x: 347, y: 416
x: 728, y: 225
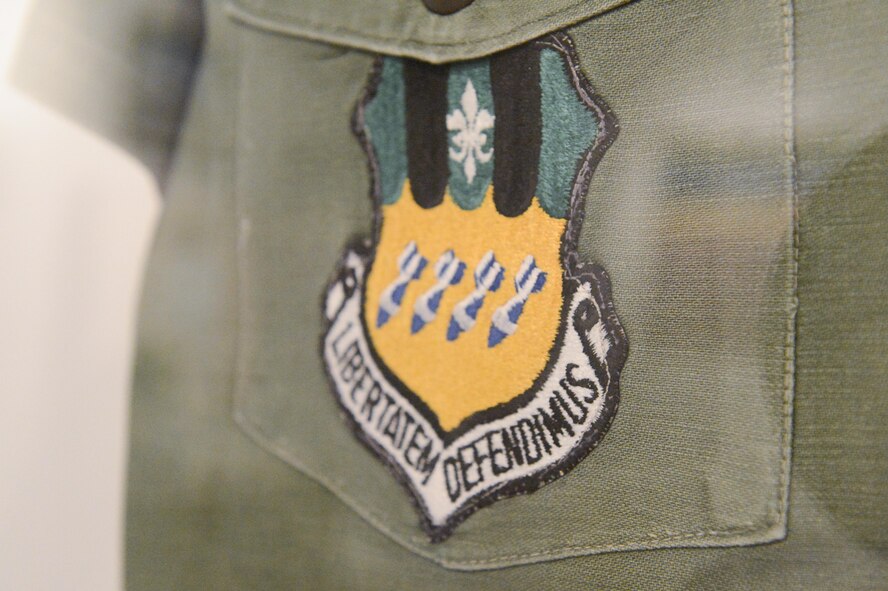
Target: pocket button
x: 446, y: 6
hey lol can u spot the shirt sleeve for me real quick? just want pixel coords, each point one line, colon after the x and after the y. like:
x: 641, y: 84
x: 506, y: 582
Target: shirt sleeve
x: 122, y: 68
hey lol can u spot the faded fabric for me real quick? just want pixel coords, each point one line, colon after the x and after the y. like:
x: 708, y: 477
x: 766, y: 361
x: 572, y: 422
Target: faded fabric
x: 741, y: 215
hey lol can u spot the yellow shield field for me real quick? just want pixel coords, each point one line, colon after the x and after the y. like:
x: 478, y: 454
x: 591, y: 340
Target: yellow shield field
x: 457, y: 378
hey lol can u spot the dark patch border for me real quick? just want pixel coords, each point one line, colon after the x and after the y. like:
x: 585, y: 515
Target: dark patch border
x: 575, y: 274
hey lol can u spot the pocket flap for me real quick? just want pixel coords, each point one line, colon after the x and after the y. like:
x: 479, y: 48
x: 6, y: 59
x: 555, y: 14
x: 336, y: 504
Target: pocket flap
x: 407, y: 28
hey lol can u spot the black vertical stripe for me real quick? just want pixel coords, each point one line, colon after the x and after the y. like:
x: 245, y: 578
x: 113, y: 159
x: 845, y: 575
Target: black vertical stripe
x: 515, y: 78
x: 425, y: 95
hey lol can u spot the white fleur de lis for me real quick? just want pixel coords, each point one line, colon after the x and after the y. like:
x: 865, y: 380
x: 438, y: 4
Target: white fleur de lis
x: 470, y: 124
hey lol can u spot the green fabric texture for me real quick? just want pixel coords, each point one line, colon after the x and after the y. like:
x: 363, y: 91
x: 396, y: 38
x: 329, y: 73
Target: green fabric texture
x: 470, y: 195
x: 569, y: 129
x: 691, y: 211
x: 384, y: 125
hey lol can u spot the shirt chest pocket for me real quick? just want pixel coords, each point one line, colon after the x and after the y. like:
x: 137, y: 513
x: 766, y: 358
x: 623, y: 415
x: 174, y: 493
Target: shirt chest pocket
x: 569, y: 212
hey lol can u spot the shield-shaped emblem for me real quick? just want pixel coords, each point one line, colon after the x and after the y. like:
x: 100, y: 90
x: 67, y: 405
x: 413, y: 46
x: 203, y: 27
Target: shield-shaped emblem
x: 467, y: 345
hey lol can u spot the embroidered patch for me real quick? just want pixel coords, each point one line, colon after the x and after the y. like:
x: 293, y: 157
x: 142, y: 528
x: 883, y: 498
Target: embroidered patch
x: 466, y: 344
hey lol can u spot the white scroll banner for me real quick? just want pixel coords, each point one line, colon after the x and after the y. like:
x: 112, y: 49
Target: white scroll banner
x: 549, y: 429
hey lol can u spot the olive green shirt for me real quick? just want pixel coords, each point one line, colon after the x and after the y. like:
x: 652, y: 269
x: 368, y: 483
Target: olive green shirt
x: 742, y: 215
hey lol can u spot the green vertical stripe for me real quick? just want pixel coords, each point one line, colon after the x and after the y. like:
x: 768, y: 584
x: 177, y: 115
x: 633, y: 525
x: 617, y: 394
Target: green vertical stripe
x: 384, y: 124
x: 569, y: 129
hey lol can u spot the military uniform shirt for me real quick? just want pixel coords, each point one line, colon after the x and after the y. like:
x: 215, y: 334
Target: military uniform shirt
x: 703, y: 183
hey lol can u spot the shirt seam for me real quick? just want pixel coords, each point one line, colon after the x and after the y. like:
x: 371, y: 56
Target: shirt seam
x: 410, y: 542
x: 312, y: 29
x: 790, y: 172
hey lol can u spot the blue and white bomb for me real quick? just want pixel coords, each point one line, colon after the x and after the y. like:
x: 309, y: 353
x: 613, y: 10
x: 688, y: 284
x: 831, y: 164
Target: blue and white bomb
x: 449, y: 270
x: 410, y: 268
x: 529, y: 280
x: 488, y: 278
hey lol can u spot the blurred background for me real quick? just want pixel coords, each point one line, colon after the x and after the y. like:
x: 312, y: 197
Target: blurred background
x: 76, y: 220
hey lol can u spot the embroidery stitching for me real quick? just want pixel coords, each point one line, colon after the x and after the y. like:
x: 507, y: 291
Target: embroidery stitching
x: 513, y: 447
